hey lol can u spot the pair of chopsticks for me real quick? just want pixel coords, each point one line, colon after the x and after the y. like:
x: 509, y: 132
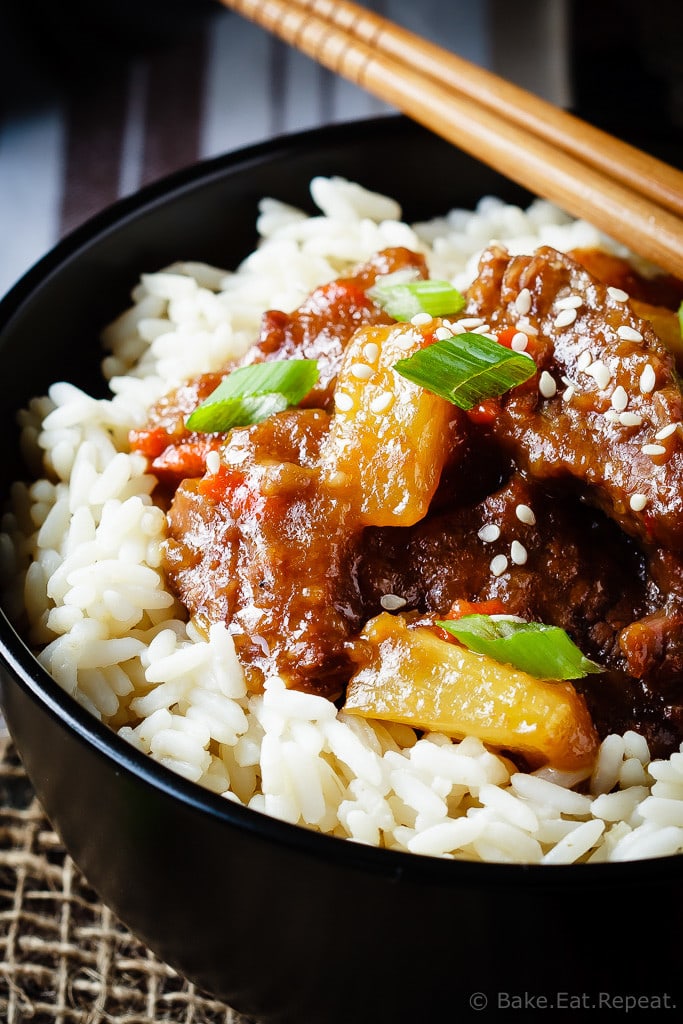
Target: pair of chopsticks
x: 631, y: 196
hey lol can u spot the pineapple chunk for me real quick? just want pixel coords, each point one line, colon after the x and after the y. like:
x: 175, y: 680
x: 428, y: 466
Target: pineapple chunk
x: 417, y: 679
x: 389, y: 438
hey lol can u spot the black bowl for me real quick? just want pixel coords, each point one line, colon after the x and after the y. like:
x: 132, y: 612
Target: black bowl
x: 279, y: 922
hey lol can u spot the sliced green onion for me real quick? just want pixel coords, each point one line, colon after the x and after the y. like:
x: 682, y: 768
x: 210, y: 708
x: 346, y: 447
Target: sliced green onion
x: 403, y: 300
x: 543, y: 651
x: 466, y: 369
x: 680, y: 318
x: 252, y: 393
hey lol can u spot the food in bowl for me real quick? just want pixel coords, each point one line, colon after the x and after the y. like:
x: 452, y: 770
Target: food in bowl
x: 279, y: 610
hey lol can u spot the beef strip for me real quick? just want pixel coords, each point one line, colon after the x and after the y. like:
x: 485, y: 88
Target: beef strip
x: 262, y: 546
x: 653, y: 289
x: 569, y: 567
x: 575, y: 569
x: 567, y: 434
x: 608, y: 392
x: 653, y: 645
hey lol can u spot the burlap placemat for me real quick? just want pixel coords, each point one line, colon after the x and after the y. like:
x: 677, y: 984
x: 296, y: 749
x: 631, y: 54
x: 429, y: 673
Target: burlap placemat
x: 64, y: 957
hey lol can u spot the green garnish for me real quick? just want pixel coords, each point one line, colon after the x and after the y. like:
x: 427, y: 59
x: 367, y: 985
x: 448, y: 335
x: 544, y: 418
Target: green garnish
x: 403, y: 300
x: 543, y: 651
x: 252, y: 393
x: 466, y: 369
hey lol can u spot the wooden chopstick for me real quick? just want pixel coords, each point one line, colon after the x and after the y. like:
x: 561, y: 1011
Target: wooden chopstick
x: 389, y: 62
x: 620, y: 161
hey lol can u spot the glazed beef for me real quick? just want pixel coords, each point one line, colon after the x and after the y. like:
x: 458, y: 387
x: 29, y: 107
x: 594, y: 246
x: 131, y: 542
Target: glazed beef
x: 262, y: 546
x: 560, y: 563
x: 560, y: 502
x: 606, y: 409
x: 659, y: 291
x: 544, y: 557
x: 610, y: 421
x: 653, y: 645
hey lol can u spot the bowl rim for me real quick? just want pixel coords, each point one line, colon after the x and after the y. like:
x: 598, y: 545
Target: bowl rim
x: 27, y: 672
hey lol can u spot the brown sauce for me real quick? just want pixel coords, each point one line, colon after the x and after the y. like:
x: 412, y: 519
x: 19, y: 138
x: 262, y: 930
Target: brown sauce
x: 587, y: 516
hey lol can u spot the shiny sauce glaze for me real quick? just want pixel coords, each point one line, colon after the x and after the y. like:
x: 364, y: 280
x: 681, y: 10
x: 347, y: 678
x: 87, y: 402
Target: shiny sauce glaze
x: 560, y: 502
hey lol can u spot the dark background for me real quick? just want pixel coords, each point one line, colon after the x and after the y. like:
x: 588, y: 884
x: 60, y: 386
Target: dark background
x: 625, y: 56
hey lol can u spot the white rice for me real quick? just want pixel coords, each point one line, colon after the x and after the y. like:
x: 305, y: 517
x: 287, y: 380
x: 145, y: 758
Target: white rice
x: 80, y: 557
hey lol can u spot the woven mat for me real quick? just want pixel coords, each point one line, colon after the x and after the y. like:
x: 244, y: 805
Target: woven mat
x: 64, y: 957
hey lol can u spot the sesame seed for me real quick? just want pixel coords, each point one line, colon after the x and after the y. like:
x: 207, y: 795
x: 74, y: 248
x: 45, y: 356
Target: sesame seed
x: 647, y: 380
x: 489, y: 335
x: 489, y: 533
x: 638, y: 502
x: 618, y: 294
x: 627, y: 333
x: 666, y: 431
x: 612, y: 416
x: 568, y: 393
x: 518, y: 553
x: 519, y: 342
x: 498, y: 565
x: 469, y: 322
x: 420, y: 319
x: 630, y: 419
x: 381, y: 402
x: 569, y: 302
x: 523, y: 301
x: 457, y: 328
x: 371, y: 352
x: 619, y: 398
x: 547, y: 385
x: 213, y: 462
x: 565, y: 317
x: 600, y: 373
x: 407, y: 341
x: 361, y: 371
x: 584, y: 360
x: 653, y: 449
x: 443, y: 333
x: 392, y: 602
x: 528, y: 328
x: 343, y: 401
x: 525, y: 514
